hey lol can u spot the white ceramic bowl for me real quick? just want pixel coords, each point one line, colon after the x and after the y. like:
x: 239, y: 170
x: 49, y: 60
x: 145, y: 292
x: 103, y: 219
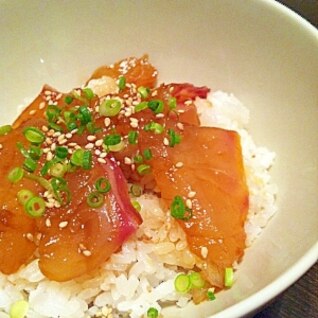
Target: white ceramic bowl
x: 263, y: 53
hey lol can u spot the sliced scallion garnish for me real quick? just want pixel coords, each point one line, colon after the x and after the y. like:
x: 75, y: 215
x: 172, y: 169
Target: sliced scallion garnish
x: 111, y: 140
x: 172, y: 103
x: 61, y: 152
x: 68, y: 99
x: 24, y: 196
x: 34, y: 135
x: 95, y: 199
x: 136, y: 190
x: 58, y: 170
x: 228, y: 277
x: 179, y: 210
x: 35, y: 207
x: 141, y: 106
x: 182, y: 283
x: 132, y: 137
x: 5, y: 129
x: 147, y: 154
x: 174, y: 138
x: 156, y: 106
x: 143, y: 169
x: 30, y: 165
x: 19, y: 309
x: 210, y: 295
x: 87, y: 160
x: 196, y: 280
x: 61, y: 190
x: 154, y: 127
x: 15, y: 175
x: 152, y: 312
x: 102, y: 185
x: 89, y: 94
x: 110, y: 107
x: 143, y: 91
x: 121, y: 82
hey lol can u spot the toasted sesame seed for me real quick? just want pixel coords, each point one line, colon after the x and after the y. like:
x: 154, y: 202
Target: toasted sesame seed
x: 1, y: 146
x: 133, y: 120
x: 68, y: 135
x: 89, y: 146
x: 49, y: 156
x: 103, y: 155
x: 74, y: 131
x: 45, y: 129
x: 47, y: 93
x: 107, y: 122
x: 63, y: 224
x: 204, y: 251
x: 91, y: 138
x: 127, y: 161
x: 82, y: 246
x: 57, y: 134
x: 60, y: 137
x: 87, y: 253
x: 59, y: 96
x: 29, y: 236
x: 154, y: 93
x: 188, y: 102
x: 166, y: 141
x: 101, y: 160
x: 32, y: 112
x: 48, y: 141
x: 179, y: 164
x: 50, y: 133
x: 98, y: 142
x: 57, y: 204
x: 62, y: 141
x: 180, y: 111
x: 77, y: 146
x: 160, y: 115
x: 72, y: 144
x: 38, y: 236
x: 41, y: 105
x: 191, y: 194
x: 48, y: 223
x: 189, y: 203
x: 133, y: 166
x: 49, y: 204
x: 97, y: 152
x: 180, y: 126
x: 53, y: 146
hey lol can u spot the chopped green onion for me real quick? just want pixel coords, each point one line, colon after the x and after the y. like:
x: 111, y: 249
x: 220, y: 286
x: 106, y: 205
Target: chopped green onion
x: 110, y: 107
x: 102, y: 185
x: 141, y: 106
x: 34, y: 135
x: 15, y: 175
x: 136, y: 205
x: 35, y: 207
x: 87, y: 160
x: 68, y: 99
x: 156, y: 106
x: 182, y: 283
x: 143, y: 91
x: 178, y: 209
x: 196, y: 280
x: 46, y: 167
x: 77, y: 157
x: 19, y: 309
x: 154, y: 127
x: 132, y: 137
x: 58, y: 169
x: 147, y: 154
x: 35, y: 152
x: 172, y: 103
x: 40, y: 180
x: 95, y: 199
x: 143, y: 169
x: 210, y: 295
x: 52, y: 113
x: 138, y: 158
x: 84, y: 115
x: 24, y: 196
x: 55, y: 127
x: 112, y: 140
x: 121, y: 83
x: 61, y: 152
x: 61, y: 190
x: 5, y: 129
x: 71, y: 125
x: 23, y: 151
x: 117, y: 148
x: 29, y: 164
x: 92, y: 129
x: 81, y: 130
x: 136, y: 190
x: 69, y: 116
x: 152, y: 312
x: 228, y: 277
x: 174, y: 138
x: 89, y: 94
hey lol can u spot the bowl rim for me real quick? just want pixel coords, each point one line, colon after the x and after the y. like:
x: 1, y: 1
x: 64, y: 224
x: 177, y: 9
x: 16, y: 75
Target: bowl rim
x: 259, y: 299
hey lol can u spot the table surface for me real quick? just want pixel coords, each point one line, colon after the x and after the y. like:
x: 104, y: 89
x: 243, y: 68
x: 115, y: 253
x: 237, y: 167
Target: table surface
x: 301, y: 299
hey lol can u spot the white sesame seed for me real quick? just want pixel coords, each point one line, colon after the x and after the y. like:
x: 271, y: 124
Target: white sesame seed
x: 63, y: 224
x: 97, y: 109
x: 204, y: 251
x: 63, y: 141
x: 29, y: 236
x: 188, y: 102
x: 58, y: 96
x: 180, y: 126
x: 72, y: 144
x: 87, y: 253
x: 166, y: 141
x: 49, y: 204
x: 50, y: 133
x: 57, y: 204
x: 101, y: 160
x: 47, y: 93
x: 181, y: 111
x: 133, y: 167
x: 91, y: 138
x: 98, y: 142
x: 45, y: 129
x: 57, y: 134
x: 89, y: 146
x: 189, y: 203
x: 107, y: 122
x: 103, y: 155
x: 154, y: 93
x: 1, y: 146
x: 53, y: 146
x: 179, y: 164
x: 134, y: 124
x: 48, y: 141
x: 97, y: 152
x: 32, y: 112
x: 48, y: 223
x: 77, y: 146
x: 127, y: 161
x: 191, y: 194
x: 49, y: 156
x: 133, y: 120
x: 74, y: 131
x: 68, y: 135
x: 160, y: 115
x: 41, y: 105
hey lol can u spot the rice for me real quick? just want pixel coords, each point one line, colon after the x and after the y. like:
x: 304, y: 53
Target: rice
x: 141, y: 274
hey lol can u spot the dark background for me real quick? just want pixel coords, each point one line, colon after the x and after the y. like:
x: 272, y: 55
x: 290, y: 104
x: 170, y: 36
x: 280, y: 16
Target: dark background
x: 300, y: 300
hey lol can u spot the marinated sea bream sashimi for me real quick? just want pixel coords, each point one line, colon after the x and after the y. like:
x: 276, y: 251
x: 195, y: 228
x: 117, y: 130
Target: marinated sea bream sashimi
x: 66, y: 161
